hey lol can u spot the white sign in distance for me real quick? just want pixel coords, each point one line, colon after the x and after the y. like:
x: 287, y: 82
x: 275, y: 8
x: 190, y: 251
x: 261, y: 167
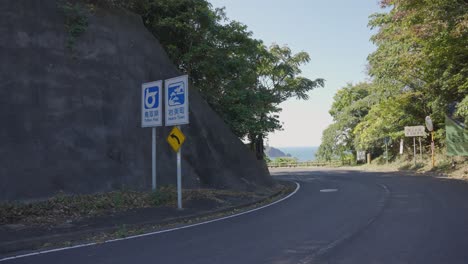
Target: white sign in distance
x: 151, y: 106
x: 361, y: 155
x: 177, y: 101
x: 429, y: 124
x: 415, y: 131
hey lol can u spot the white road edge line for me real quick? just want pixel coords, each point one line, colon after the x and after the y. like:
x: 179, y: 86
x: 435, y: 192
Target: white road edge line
x: 298, y: 186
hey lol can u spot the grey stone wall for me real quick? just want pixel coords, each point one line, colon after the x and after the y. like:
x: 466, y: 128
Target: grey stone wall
x: 70, y: 121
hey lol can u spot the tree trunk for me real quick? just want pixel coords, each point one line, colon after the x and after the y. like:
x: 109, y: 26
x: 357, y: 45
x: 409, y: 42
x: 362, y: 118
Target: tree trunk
x: 252, y: 142
x: 256, y: 145
x: 259, y: 150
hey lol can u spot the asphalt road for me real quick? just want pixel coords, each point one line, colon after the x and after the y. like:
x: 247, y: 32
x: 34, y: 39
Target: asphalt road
x: 335, y: 217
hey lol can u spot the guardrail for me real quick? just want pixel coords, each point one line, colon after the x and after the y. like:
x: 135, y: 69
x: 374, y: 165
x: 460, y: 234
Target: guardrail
x: 334, y: 163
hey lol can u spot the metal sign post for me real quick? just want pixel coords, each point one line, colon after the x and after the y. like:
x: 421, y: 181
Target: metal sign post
x: 386, y: 141
x: 179, y: 178
x: 175, y: 139
x: 151, y: 116
x: 430, y: 127
x: 420, y: 149
x: 432, y: 148
x: 177, y: 113
x: 414, y: 149
x: 153, y: 160
x: 386, y: 153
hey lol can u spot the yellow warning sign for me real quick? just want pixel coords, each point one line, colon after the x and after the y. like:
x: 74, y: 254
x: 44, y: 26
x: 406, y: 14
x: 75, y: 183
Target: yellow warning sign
x: 176, y: 138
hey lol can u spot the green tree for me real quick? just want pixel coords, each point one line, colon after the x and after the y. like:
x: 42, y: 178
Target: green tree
x: 241, y: 79
x: 418, y: 69
x: 422, y: 48
x: 351, y: 104
x: 220, y: 56
x: 387, y: 119
x: 278, y: 80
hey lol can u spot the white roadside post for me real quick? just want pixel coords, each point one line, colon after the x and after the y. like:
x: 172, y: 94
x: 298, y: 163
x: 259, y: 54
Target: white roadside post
x: 386, y: 153
x: 420, y: 149
x: 387, y: 141
x: 177, y: 113
x: 151, y: 116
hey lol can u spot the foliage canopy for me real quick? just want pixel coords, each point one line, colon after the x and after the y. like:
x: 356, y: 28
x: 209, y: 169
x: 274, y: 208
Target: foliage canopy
x: 420, y: 68
x: 243, y: 80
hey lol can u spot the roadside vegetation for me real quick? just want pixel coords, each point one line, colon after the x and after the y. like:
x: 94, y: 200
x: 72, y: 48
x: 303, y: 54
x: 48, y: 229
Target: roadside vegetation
x: 456, y: 167
x: 68, y: 208
x: 419, y: 69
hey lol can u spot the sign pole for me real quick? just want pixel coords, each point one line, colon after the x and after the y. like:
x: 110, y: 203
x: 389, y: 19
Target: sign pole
x: 177, y: 113
x: 432, y: 148
x: 420, y: 149
x: 151, y: 116
x: 414, y: 150
x: 386, y: 153
x: 153, y: 159
x: 401, y: 146
x: 430, y: 127
x: 179, y: 178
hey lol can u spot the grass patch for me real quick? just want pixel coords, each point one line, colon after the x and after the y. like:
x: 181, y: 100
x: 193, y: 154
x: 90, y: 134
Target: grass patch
x: 122, y: 231
x: 163, y: 196
x: 131, y: 230
x: 68, y: 208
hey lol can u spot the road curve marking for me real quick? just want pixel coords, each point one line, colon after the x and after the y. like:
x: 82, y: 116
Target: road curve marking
x: 328, y: 190
x: 298, y: 186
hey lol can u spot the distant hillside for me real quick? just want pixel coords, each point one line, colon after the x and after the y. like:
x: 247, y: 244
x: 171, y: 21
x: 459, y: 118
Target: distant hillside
x: 301, y: 153
x: 275, y: 153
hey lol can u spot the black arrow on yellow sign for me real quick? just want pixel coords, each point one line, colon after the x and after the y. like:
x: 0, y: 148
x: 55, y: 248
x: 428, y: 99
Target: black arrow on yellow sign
x: 176, y: 138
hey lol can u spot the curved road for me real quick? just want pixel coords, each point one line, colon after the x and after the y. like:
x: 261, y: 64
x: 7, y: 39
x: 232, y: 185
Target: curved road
x: 336, y: 217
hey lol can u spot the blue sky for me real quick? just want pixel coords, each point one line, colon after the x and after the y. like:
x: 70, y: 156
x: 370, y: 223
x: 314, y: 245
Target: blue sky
x: 336, y: 36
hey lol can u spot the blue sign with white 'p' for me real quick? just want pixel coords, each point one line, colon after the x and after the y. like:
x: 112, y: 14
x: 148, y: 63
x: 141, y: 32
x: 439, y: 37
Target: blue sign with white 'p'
x: 151, y: 114
x: 152, y: 97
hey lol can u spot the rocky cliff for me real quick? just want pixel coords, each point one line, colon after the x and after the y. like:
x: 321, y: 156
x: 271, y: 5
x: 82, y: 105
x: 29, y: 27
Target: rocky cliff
x: 70, y: 116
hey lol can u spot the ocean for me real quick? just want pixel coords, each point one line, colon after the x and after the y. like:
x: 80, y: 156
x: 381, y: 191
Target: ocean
x: 301, y: 153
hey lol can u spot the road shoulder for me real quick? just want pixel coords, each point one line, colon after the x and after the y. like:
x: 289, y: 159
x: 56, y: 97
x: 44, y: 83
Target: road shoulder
x: 126, y: 224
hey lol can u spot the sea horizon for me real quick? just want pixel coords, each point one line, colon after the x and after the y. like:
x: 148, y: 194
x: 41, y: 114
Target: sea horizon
x: 302, y: 153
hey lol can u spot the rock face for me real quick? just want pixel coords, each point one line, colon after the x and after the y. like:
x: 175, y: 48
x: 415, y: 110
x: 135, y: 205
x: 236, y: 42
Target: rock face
x: 71, y: 119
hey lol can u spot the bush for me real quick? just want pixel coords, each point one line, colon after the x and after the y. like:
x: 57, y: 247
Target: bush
x: 163, y: 196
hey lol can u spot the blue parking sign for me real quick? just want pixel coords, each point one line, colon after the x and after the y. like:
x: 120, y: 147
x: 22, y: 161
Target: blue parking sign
x: 152, y: 97
x: 151, y: 104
